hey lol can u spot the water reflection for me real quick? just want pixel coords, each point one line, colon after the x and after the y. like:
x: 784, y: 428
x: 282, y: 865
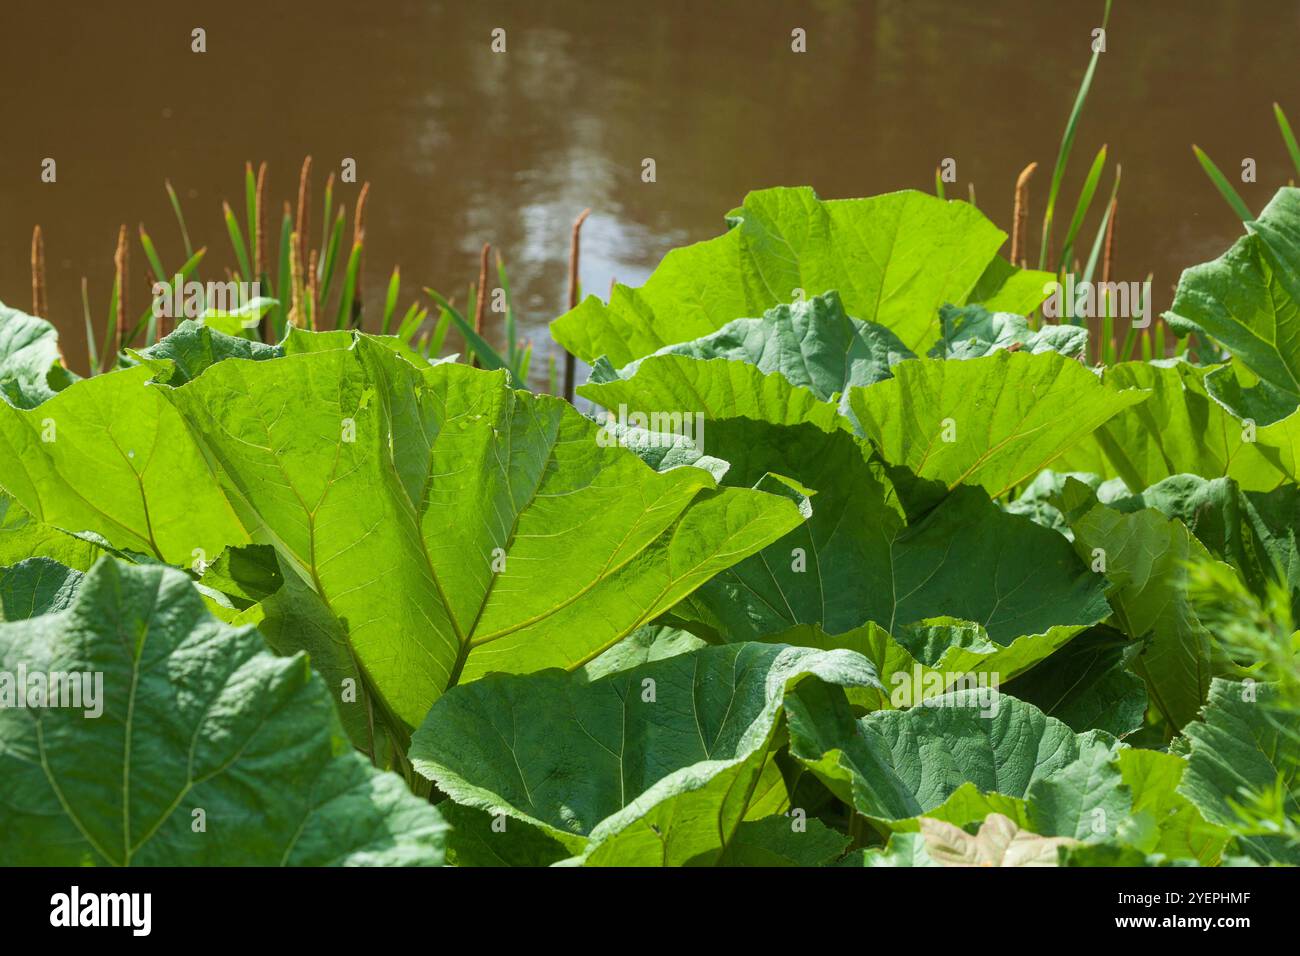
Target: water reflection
x: 464, y: 146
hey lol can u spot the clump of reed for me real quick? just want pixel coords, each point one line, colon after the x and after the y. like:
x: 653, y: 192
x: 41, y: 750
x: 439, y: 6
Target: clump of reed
x: 314, y: 286
x: 1104, y: 344
x: 299, y: 277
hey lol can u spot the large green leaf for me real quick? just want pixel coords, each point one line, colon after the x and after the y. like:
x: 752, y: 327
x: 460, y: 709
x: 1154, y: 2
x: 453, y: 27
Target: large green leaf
x: 1088, y: 685
x: 813, y: 343
x: 36, y: 586
x: 1249, y: 298
x: 208, y: 750
x: 1241, y: 747
x: 858, y: 559
x: 958, y: 758
x: 669, y: 391
x: 31, y: 365
x: 1253, y: 531
x: 1168, y: 823
x: 995, y: 421
x: 894, y: 259
x: 971, y: 331
x: 1146, y: 558
x: 111, y: 456
x: 22, y: 537
x: 1179, y: 429
x: 457, y: 526
x: 928, y: 658
x: 656, y: 765
x: 192, y: 347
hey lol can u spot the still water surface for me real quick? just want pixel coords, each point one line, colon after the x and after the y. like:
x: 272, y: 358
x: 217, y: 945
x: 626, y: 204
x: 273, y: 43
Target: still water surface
x: 464, y: 146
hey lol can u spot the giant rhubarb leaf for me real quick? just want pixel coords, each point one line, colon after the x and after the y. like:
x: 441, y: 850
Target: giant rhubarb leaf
x: 957, y: 758
x: 207, y: 751
x: 111, y: 456
x: 454, y: 525
x: 894, y: 259
x: 858, y: 559
x: 1245, y: 746
x: 656, y: 765
x: 995, y: 421
x: 1249, y: 298
x: 1180, y: 429
x: 31, y: 368
x: 1145, y: 557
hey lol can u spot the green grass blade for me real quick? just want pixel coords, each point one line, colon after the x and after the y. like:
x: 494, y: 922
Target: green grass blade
x: 525, y: 362
x: 1288, y: 136
x: 151, y: 254
x: 1067, y: 145
x: 1106, y: 351
x: 410, y: 323
x: 1099, y: 241
x: 344, y: 318
x: 250, y: 209
x: 938, y: 184
x: 236, y: 239
x: 1222, y: 185
x: 512, y: 346
x: 146, y: 319
x: 280, y: 315
x: 440, y: 332
x: 92, y: 350
x: 390, y: 301
x: 487, y: 355
x: 108, y: 354
x: 1082, y: 206
x: 1126, y: 350
x: 331, y: 256
x: 325, y: 229
x: 180, y: 218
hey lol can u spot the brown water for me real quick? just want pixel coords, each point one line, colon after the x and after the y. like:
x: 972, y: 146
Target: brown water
x: 464, y: 146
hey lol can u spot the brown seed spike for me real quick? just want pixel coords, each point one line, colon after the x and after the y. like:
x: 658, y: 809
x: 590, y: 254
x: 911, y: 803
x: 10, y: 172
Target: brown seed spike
x: 359, y: 220
x: 259, y: 241
x: 295, y: 281
x: 570, y: 362
x: 311, y: 288
x: 480, y: 303
x: 40, y: 308
x: 304, y: 218
x: 120, y: 263
x: 1020, y: 217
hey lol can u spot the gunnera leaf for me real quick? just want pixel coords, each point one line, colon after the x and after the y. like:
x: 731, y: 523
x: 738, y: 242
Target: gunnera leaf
x: 971, y: 331
x: 894, y: 259
x: 199, y: 747
x: 31, y: 365
x: 1249, y: 298
x: 813, y: 344
x: 456, y: 526
x: 1244, y: 745
x: 994, y: 421
x: 958, y: 758
x: 655, y: 765
x: 858, y: 559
